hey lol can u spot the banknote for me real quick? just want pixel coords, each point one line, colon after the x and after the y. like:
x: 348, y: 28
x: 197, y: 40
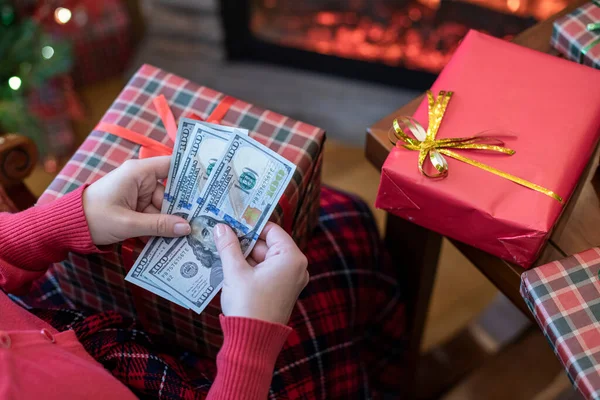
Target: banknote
x: 137, y: 277
x: 185, y: 129
x: 242, y: 192
x: 206, y: 146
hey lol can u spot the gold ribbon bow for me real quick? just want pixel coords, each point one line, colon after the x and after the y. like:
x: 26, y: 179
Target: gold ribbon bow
x: 427, y: 145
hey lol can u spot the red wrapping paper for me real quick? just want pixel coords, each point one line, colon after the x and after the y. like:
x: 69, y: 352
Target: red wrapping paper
x: 548, y: 107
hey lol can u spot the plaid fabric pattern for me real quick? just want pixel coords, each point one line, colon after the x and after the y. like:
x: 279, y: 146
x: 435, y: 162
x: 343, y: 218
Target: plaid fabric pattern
x: 570, y: 35
x: 96, y: 282
x: 348, y: 324
x: 564, y: 297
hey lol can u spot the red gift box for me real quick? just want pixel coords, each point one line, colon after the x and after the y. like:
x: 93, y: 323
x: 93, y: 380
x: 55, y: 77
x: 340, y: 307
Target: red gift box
x: 547, y: 109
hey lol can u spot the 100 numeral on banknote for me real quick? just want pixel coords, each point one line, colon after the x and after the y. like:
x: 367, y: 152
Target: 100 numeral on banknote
x: 186, y: 127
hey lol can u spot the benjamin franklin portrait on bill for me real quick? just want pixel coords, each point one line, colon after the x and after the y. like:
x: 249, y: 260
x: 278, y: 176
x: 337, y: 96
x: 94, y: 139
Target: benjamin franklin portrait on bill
x: 202, y: 242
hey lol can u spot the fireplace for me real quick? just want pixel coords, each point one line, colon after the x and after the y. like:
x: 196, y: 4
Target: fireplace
x: 403, y: 43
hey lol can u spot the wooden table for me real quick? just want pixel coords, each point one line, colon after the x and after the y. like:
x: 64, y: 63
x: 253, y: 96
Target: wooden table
x: 418, y: 248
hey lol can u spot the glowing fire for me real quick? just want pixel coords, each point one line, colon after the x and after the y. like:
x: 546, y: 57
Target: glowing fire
x: 410, y: 37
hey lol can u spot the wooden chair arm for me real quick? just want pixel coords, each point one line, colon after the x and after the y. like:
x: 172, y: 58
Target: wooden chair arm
x: 18, y: 157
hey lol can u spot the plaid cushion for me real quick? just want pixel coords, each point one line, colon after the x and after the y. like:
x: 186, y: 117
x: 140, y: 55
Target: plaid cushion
x: 564, y: 297
x: 570, y: 35
x: 96, y: 282
x: 348, y: 324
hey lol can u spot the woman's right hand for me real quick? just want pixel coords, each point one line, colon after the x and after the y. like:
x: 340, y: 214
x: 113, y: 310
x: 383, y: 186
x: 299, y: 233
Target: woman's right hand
x: 267, y: 284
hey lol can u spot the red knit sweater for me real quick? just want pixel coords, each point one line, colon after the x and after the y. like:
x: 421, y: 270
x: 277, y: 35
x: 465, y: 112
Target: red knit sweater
x: 37, y: 361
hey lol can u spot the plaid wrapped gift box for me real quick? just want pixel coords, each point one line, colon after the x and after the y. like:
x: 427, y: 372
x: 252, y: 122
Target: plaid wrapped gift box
x: 577, y: 35
x: 97, y: 282
x: 564, y: 297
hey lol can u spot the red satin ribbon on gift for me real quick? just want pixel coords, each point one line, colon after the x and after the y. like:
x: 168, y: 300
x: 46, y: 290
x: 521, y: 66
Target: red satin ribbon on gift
x: 153, y: 148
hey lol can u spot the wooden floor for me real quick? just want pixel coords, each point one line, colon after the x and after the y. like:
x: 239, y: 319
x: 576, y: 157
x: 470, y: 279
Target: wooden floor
x: 522, y: 372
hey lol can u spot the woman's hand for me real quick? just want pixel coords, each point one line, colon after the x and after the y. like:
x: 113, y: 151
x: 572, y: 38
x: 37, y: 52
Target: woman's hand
x: 267, y: 284
x: 126, y: 203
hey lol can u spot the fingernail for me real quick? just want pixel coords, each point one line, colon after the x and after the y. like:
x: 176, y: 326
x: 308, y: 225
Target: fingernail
x: 182, y: 229
x: 220, y: 230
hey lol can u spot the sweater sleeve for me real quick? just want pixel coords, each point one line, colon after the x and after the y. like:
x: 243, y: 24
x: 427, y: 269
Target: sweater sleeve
x: 246, y: 361
x: 35, y: 238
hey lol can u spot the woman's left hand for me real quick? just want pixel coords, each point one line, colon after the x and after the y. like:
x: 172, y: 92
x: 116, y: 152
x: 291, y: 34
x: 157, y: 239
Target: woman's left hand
x: 126, y: 203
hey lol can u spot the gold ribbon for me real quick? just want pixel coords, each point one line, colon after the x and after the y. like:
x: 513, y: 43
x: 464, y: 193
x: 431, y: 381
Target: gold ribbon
x: 427, y: 145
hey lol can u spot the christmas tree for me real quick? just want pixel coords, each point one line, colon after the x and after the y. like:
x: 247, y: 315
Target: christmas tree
x: 29, y: 59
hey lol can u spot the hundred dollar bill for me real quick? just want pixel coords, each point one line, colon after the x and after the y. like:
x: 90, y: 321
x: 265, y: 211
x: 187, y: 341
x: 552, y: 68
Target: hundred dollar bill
x: 136, y: 273
x: 185, y: 129
x: 243, y: 190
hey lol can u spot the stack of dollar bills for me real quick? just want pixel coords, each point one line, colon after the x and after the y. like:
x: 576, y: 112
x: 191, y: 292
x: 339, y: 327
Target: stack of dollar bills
x: 218, y: 174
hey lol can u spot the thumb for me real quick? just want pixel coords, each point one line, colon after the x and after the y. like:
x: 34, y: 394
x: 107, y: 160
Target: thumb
x: 229, y: 248
x: 165, y: 225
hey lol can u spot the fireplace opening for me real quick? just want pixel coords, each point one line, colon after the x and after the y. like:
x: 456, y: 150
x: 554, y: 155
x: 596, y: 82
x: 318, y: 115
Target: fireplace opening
x: 403, y: 43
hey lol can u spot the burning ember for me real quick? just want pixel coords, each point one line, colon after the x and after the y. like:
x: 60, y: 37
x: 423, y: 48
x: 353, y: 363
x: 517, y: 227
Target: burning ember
x: 421, y: 35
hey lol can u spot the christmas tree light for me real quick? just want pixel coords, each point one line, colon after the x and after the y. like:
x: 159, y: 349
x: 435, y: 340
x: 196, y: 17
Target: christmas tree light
x: 47, y: 52
x: 62, y: 15
x: 14, y: 82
